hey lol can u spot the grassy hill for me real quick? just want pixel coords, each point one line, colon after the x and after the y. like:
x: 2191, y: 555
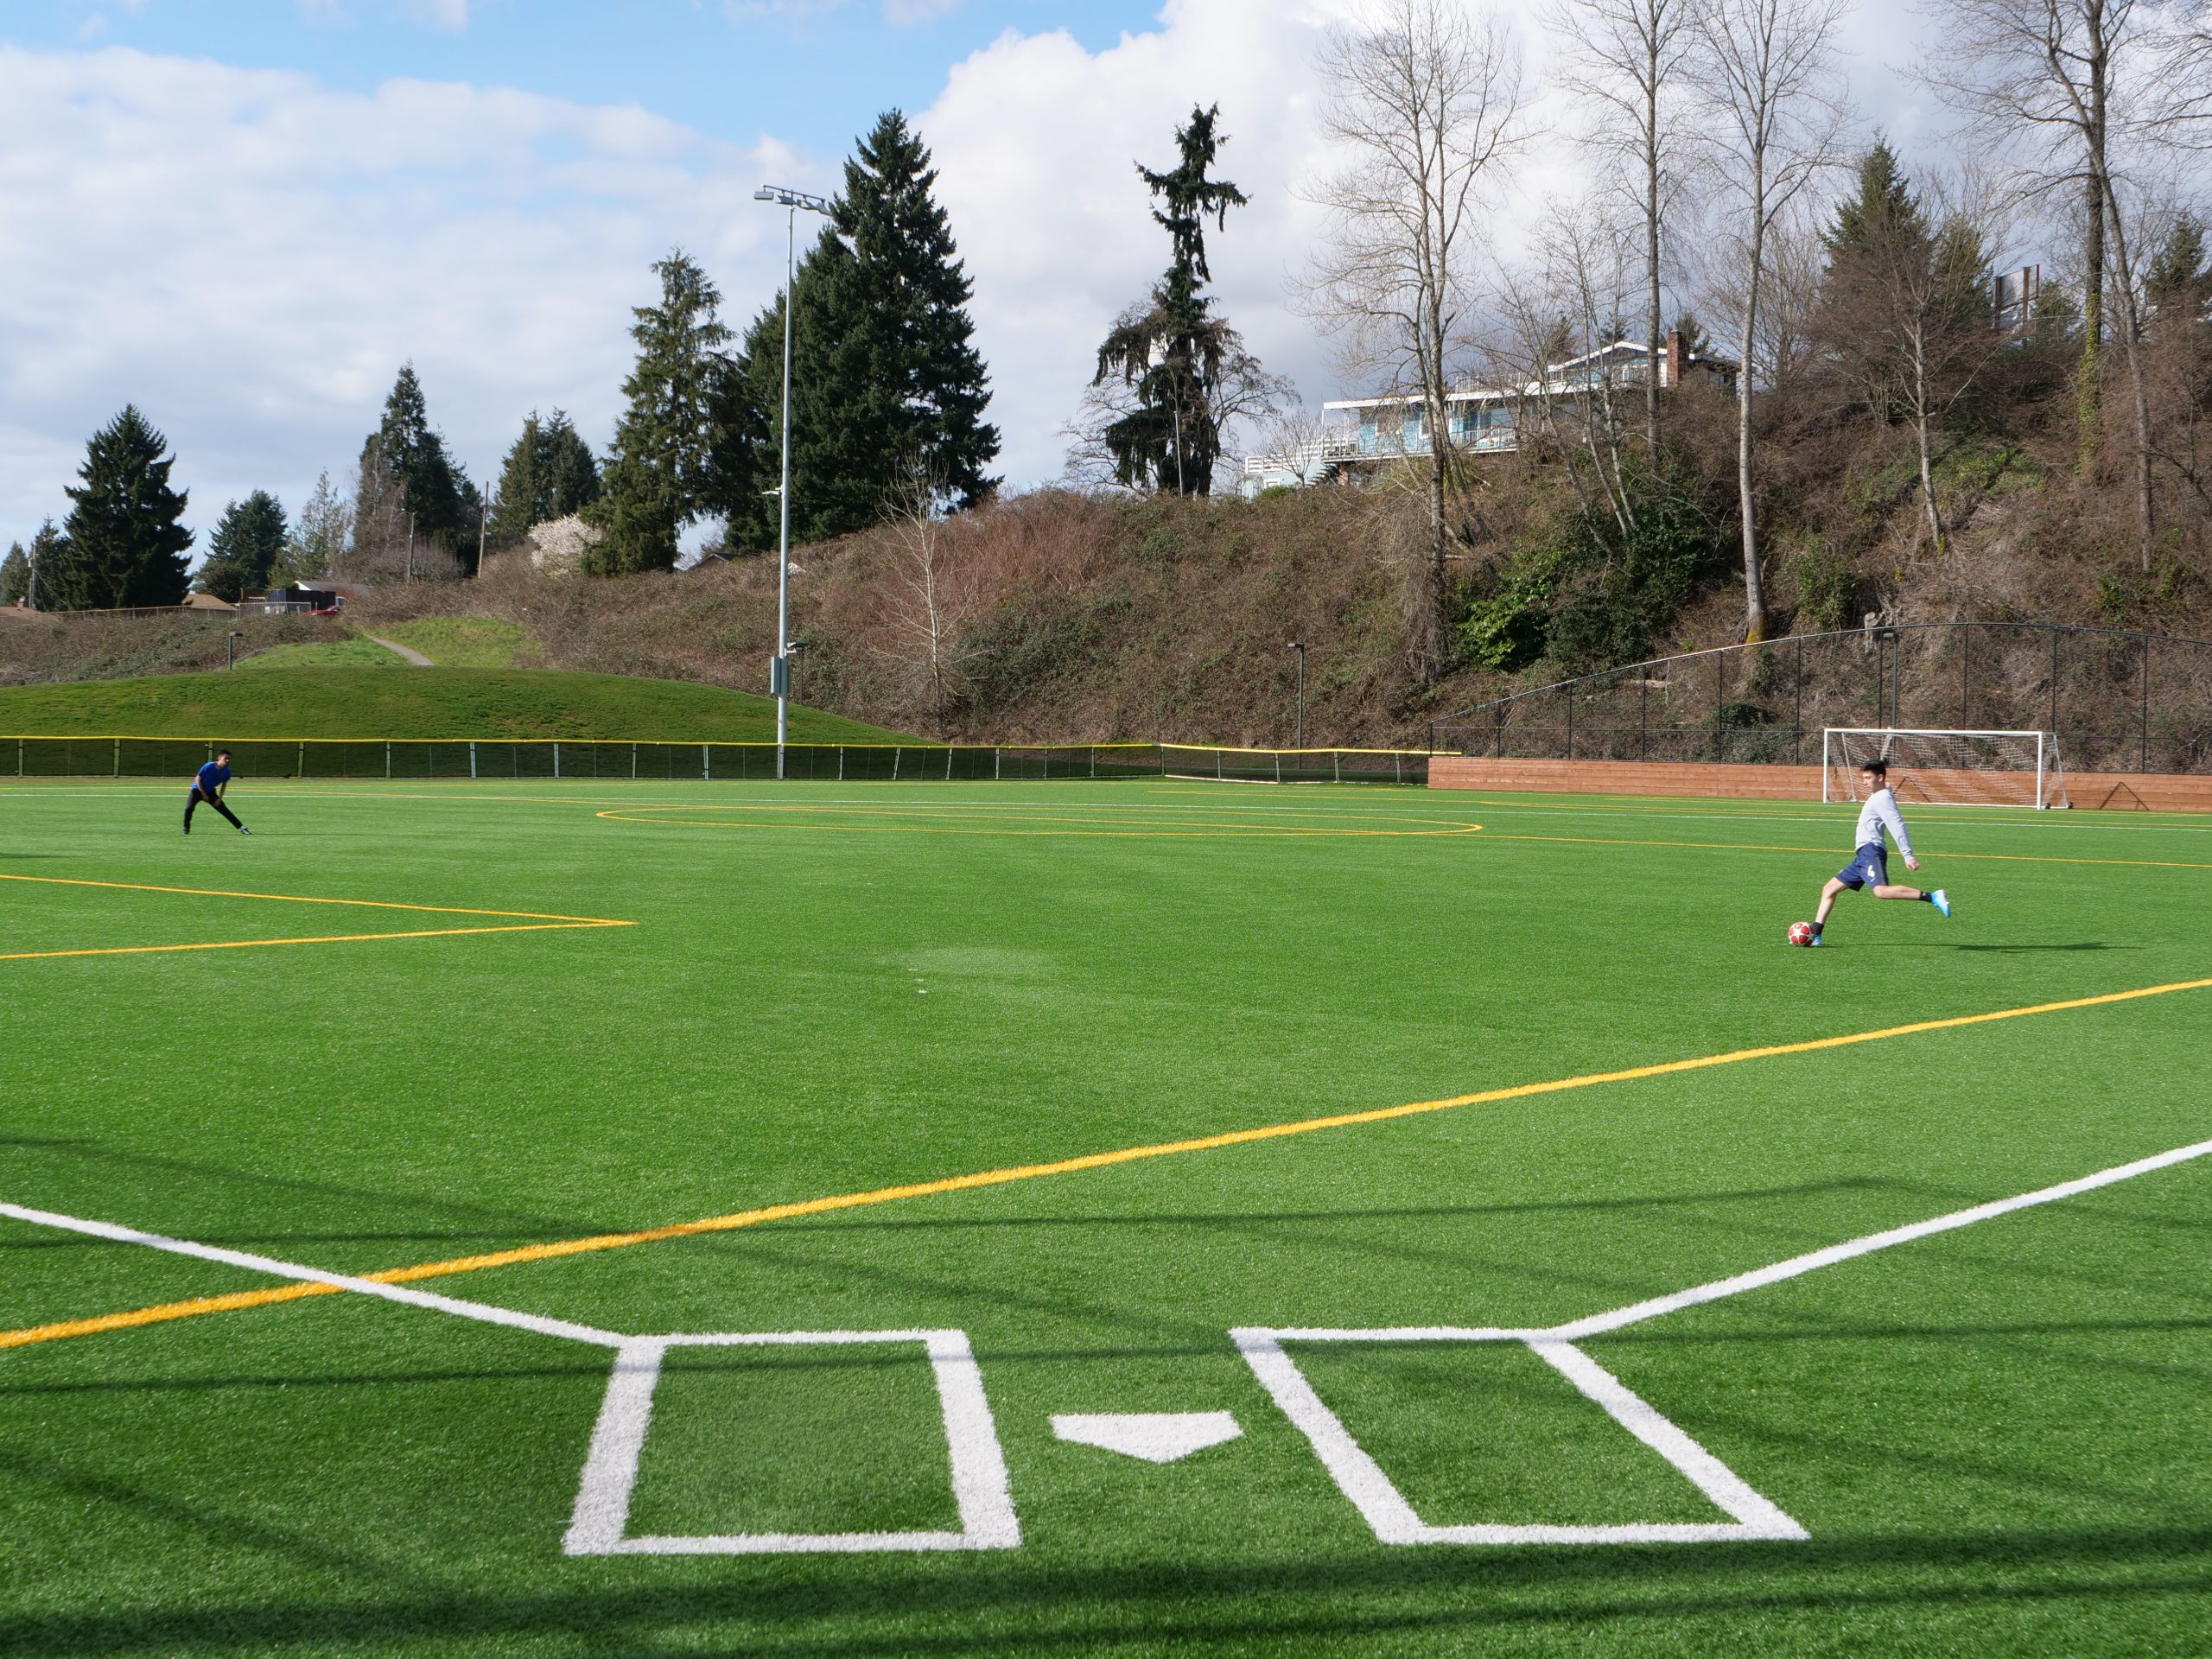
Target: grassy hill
x: 415, y: 703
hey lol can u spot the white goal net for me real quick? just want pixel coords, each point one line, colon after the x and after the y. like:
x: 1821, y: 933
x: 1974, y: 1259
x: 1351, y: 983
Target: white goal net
x: 1951, y: 768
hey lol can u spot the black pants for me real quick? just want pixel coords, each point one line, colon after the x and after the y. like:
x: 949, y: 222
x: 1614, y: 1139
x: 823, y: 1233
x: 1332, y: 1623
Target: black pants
x: 193, y: 800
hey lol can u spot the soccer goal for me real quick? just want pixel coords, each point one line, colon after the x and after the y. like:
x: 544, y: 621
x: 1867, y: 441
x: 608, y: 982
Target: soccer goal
x: 1951, y: 768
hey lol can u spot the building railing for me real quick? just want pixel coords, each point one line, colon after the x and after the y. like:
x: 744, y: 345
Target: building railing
x: 463, y: 758
x: 2120, y: 700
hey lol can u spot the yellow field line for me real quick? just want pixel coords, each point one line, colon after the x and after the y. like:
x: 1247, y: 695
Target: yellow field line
x: 1140, y: 829
x: 300, y: 899
x: 527, y: 1253
x: 326, y: 939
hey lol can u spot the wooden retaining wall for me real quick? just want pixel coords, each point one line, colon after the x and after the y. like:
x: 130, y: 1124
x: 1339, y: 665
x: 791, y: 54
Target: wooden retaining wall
x: 2136, y: 792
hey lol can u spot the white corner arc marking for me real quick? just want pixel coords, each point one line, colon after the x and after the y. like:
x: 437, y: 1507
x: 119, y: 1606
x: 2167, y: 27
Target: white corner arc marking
x: 982, y: 1492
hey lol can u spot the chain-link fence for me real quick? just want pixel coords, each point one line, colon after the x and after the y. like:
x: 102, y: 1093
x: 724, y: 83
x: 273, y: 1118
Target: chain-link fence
x: 2119, y: 701
x: 463, y: 758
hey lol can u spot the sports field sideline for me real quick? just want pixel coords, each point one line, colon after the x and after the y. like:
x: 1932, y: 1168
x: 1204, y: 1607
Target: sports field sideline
x: 589, y: 1219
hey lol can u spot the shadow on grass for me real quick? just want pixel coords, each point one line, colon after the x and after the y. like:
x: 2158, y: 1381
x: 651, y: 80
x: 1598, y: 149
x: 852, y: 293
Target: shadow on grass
x: 1442, y: 1598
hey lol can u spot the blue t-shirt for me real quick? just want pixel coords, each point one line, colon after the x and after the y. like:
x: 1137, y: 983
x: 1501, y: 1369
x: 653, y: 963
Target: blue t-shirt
x: 213, y: 777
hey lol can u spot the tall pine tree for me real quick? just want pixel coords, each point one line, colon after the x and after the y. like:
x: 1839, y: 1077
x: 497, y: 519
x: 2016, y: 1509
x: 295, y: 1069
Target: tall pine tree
x: 243, y: 552
x: 15, y: 574
x: 53, y: 582
x: 548, y: 474
x: 405, y: 470
x: 658, y: 475
x: 1171, y: 355
x: 888, y: 391
x: 316, y: 546
x: 125, y: 544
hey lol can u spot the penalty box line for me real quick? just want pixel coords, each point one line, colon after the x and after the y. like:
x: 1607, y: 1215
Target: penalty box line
x: 194, y: 1307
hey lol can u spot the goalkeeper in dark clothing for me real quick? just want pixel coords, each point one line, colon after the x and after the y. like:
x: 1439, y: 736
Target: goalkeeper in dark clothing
x: 208, y: 786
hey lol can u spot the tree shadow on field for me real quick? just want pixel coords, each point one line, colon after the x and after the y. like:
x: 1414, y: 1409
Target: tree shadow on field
x: 1408, y: 1212
x: 507, y: 1220
x: 1371, y: 1596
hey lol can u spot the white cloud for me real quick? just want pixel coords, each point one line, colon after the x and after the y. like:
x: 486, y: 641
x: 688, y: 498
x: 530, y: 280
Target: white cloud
x: 250, y: 255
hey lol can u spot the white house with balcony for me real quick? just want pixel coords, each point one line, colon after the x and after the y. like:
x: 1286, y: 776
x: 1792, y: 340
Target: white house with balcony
x: 1362, y: 432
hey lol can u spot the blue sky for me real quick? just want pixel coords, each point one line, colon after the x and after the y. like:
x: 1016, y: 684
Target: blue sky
x: 810, y: 72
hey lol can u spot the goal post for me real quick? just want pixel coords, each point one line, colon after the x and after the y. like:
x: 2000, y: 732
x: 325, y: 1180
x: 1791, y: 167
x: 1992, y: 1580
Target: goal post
x: 1947, y: 767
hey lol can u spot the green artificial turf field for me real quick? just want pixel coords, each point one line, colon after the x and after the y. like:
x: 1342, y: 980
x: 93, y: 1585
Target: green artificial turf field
x: 732, y: 1001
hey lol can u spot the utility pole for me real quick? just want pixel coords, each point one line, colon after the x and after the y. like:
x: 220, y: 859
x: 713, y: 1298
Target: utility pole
x: 779, y: 672
x: 1300, y: 648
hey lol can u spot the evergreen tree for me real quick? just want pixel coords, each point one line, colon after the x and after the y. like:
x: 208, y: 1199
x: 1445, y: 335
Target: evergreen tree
x: 316, y: 546
x: 918, y: 409
x: 15, y: 574
x: 548, y: 474
x: 126, y: 546
x: 1882, y: 207
x: 2178, y: 285
x: 838, y: 481
x: 243, y: 552
x: 886, y: 385
x: 405, y: 455
x: 658, y: 475
x: 1173, y: 353
x: 54, y: 581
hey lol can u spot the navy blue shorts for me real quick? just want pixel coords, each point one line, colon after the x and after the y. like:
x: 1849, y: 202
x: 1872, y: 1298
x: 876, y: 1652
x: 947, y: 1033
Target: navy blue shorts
x: 1868, y: 867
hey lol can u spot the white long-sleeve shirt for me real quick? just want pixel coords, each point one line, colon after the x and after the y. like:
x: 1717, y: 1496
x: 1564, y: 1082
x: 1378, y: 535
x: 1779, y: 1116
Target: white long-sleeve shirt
x: 1881, y: 813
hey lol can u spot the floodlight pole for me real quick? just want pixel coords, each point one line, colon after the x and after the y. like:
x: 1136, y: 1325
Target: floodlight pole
x: 230, y: 649
x: 1300, y: 741
x: 779, y: 674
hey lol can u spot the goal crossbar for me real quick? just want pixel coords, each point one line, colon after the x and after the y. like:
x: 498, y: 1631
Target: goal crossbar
x: 1952, y: 766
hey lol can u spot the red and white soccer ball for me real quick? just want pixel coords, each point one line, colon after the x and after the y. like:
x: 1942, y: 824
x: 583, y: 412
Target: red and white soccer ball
x: 1801, y: 932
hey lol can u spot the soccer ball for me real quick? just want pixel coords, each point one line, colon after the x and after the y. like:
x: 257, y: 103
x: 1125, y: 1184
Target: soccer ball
x: 1801, y: 932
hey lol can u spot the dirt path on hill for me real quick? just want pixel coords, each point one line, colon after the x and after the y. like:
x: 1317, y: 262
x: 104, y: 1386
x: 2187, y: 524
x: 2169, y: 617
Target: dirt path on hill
x: 413, y: 656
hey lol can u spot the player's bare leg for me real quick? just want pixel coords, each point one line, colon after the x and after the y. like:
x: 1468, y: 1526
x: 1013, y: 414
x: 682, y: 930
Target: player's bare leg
x: 1827, y: 903
x: 1893, y: 891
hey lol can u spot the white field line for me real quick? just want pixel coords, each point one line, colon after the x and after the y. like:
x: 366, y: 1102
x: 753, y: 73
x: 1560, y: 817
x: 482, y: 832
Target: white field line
x: 484, y: 1313
x: 1637, y: 1313
x: 980, y: 1489
x: 1394, y: 1521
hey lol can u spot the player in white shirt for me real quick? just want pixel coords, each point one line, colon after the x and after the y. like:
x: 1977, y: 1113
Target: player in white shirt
x: 1870, y: 865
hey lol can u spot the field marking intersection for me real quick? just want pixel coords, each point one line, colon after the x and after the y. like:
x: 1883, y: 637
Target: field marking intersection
x: 794, y: 1209
x: 980, y: 1479
x: 515, y: 921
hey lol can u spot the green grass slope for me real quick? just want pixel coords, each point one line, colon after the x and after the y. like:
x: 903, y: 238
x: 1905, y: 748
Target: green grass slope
x: 415, y: 703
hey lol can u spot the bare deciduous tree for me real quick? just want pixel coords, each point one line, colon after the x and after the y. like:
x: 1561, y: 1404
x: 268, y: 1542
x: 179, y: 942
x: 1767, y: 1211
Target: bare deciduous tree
x: 1627, y: 60
x: 1569, y: 306
x: 1905, y: 316
x: 1424, y: 103
x: 2043, y: 81
x: 930, y: 597
x: 1766, y: 71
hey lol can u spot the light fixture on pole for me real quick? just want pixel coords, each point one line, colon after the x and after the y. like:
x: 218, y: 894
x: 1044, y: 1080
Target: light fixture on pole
x: 231, y: 648
x: 779, y: 672
x: 1300, y: 648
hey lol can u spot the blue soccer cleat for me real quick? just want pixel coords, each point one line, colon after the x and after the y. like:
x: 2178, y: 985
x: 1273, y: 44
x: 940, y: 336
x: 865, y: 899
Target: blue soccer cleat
x: 1812, y: 942
x: 1941, y: 901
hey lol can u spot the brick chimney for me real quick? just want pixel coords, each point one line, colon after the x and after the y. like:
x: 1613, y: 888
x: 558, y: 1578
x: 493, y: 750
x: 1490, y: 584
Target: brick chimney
x: 1670, y: 371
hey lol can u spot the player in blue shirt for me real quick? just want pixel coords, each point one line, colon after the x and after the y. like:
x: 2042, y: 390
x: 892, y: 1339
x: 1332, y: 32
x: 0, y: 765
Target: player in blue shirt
x: 208, y: 785
x: 1870, y: 865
